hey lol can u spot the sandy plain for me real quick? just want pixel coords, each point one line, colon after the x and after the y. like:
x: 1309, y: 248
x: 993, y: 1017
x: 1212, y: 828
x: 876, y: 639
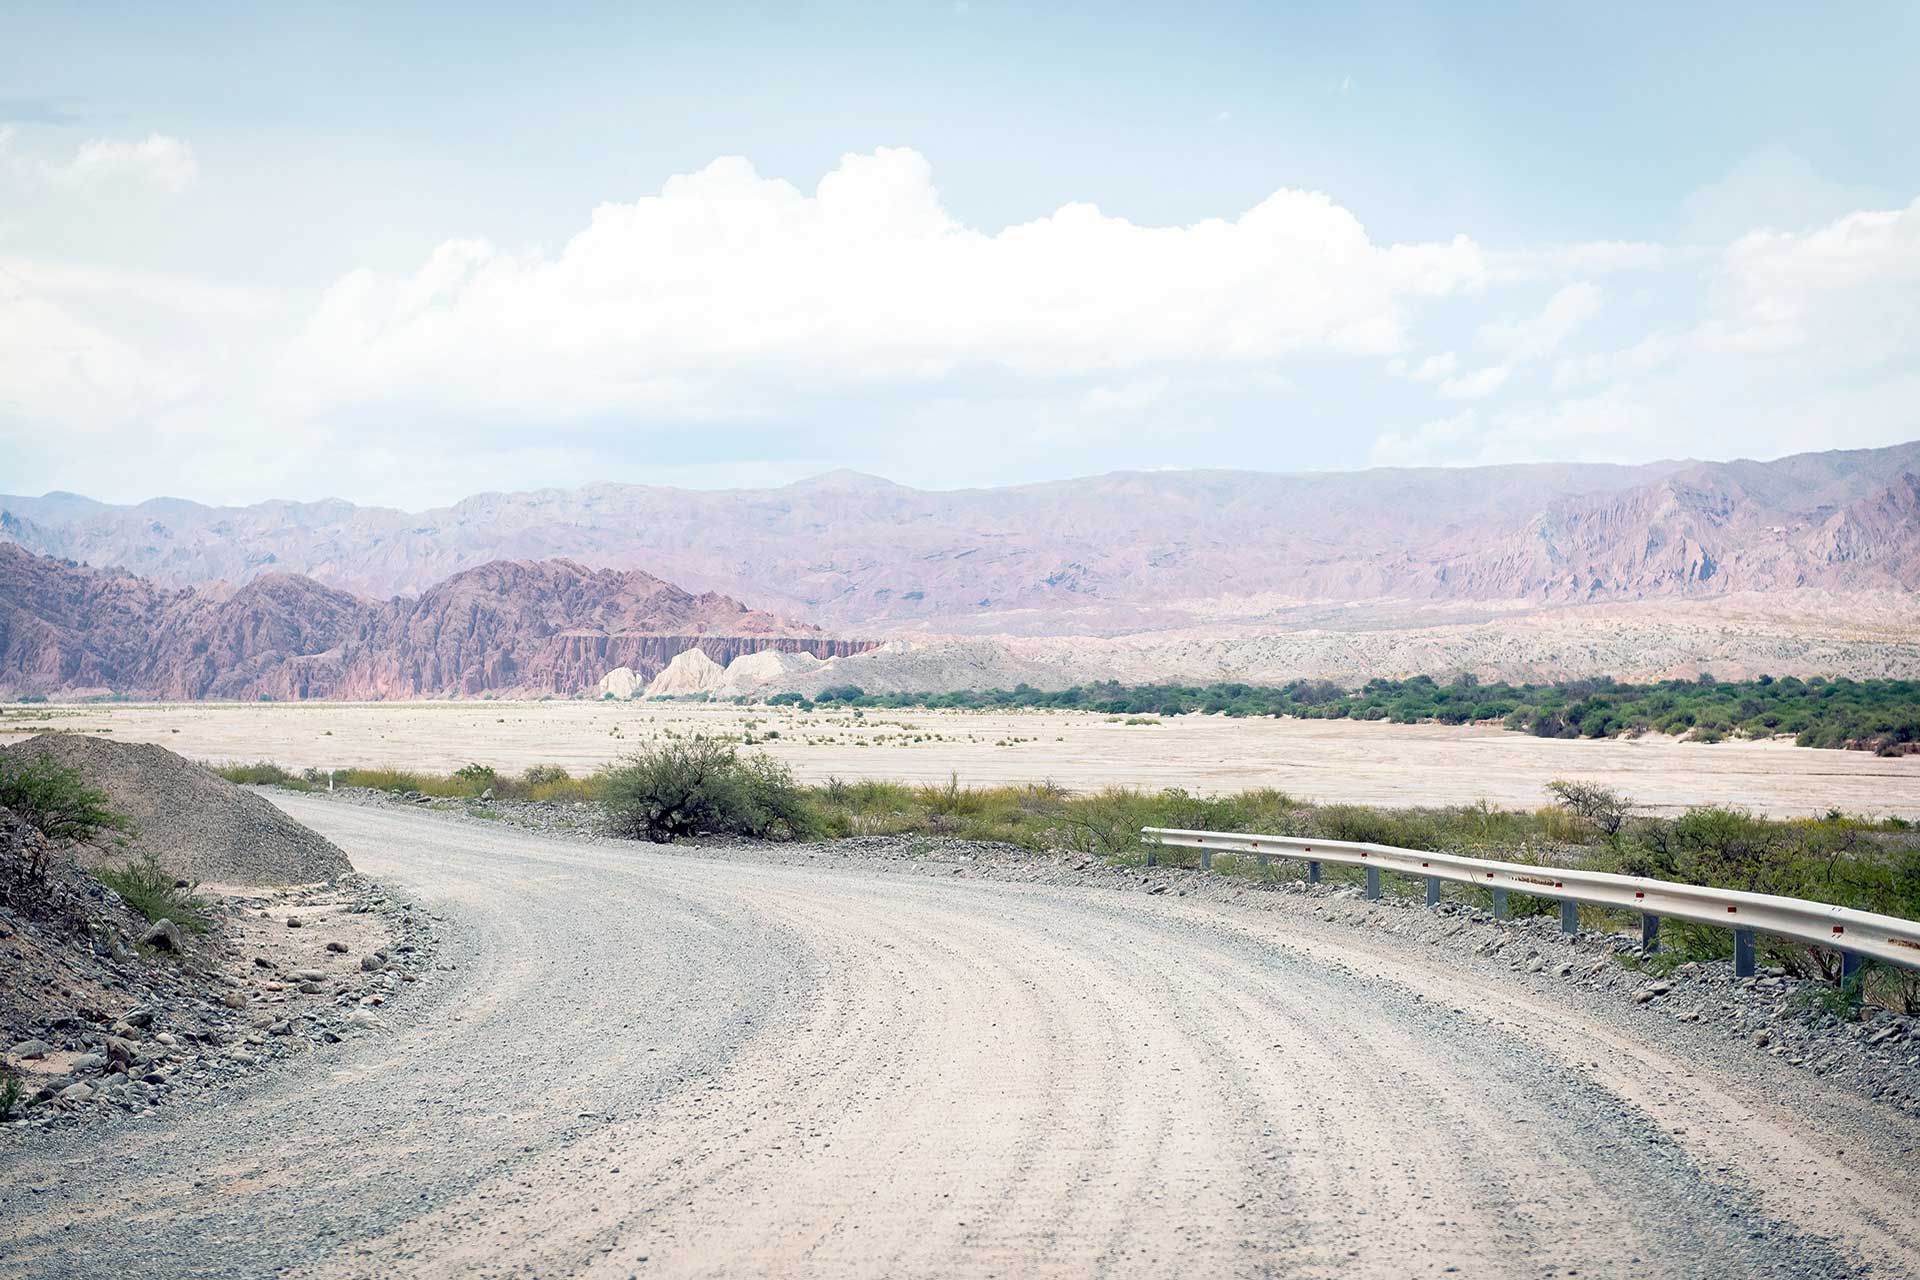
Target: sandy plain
x: 1322, y: 760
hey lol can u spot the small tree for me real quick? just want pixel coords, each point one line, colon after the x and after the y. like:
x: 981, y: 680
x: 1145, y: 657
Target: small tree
x: 56, y: 800
x: 1602, y: 808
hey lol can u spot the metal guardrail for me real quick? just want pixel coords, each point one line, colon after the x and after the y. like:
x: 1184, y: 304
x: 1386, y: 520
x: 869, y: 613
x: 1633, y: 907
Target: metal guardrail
x: 1854, y: 934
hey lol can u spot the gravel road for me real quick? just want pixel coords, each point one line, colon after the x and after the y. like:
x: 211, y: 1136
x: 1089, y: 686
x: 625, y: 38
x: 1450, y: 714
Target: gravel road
x: 636, y: 1063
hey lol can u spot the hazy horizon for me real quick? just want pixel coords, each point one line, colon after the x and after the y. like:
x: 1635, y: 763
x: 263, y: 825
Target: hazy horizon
x: 856, y: 473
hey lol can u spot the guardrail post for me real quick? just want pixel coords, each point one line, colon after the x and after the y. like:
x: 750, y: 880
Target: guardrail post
x: 1373, y: 882
x: 1743, y: 953
x: 1850, y: 969
x: 1433, y: 891
x: 1262, y: 859
x: 1499, y: 904
x: 1153, y: 855
x: 1849, y: 965
x: 1569, y: 916
x: 1206, y: 859
x: 1649, y: 932
x: 1313, y: 871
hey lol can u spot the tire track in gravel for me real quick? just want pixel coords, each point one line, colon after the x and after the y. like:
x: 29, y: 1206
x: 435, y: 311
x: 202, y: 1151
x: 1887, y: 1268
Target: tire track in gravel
x: 649, y: 1063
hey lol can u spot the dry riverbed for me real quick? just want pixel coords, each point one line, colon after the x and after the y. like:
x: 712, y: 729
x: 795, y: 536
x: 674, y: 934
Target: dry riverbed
x: 1322, y: 760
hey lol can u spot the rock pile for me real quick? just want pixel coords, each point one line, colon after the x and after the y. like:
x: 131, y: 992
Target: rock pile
x: 118, y: 1033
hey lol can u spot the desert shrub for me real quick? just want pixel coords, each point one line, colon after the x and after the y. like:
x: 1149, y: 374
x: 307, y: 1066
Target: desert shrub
x: 703, y: 786
x: 1723, y: 846
x: 11, y: 1091
x: 56, y: 800
x: 550, y: 783
x: 263, y: 773
x: 401, y: 781
x: 1602, y: 808
x: 151, y: 890
x: 480, y: 777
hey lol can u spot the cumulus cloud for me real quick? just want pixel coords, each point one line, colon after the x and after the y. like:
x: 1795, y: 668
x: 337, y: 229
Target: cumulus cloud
x: 860, y: 322
x: 1806, y: 340
x: 730, y: 291
x: 164, y: 161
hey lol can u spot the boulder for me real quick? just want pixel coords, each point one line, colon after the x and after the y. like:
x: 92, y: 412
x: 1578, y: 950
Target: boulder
x: 165, y: 935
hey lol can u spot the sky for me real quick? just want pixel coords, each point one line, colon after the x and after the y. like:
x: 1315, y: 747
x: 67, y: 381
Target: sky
x: 400, y: 254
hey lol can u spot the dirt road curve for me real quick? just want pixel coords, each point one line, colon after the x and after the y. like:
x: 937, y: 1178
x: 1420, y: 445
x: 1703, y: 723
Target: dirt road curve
x: 656, y: 1064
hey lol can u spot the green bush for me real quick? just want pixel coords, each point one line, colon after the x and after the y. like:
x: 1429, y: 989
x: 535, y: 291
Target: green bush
x: 57, y: 800
x: 478, y: 776
x: 149, y: 889
x: 263, y: 773
x: 704, y: 787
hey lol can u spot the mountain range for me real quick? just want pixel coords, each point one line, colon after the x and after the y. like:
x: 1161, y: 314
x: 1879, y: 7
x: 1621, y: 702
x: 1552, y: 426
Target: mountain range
x: 524, y: 628
x: 1112, y: 554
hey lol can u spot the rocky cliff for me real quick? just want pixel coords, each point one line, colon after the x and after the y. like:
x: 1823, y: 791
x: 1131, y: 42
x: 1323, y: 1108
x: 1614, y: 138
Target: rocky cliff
x: 517, y: 627
x: 1115, y: 553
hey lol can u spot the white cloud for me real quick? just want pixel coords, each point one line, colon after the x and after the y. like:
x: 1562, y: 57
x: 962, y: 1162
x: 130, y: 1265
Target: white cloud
x: 164, y: 161
x: 1772, y: 189
x: 730, y: 293
x: 1434, y: 443
x: 1430, y: 369
x: 1644, y: 356
x: 863, y: 323
x: 1808, y: 340
x: 1847, y: 293
x: 1479, y: 383
x: 1519, y: 342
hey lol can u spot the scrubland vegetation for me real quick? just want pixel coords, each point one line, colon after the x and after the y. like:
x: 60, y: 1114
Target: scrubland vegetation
x: 1875, y: 715
x: 697, y: 787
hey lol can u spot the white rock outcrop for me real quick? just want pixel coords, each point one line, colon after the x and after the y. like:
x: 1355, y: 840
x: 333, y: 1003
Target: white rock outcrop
x: 690, y: 672
x: 620, y: 682
x: 752, y: 674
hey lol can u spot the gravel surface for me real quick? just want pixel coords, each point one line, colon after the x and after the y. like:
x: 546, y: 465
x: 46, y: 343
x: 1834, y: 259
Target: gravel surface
x: 719, y: 1062
x: 196, y: 823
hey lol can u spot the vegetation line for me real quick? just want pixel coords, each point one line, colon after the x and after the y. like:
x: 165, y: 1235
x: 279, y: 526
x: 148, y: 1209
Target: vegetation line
x: 1871, y: 715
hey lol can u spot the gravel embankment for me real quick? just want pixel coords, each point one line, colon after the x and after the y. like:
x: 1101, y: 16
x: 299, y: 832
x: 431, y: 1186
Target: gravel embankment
x: 196, y: 824
x: 98, y: 1032
x: 878, y: 1061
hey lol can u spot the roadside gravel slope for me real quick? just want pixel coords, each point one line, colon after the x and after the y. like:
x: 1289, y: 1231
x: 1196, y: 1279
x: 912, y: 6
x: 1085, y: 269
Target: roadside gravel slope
x: 639, y: 1062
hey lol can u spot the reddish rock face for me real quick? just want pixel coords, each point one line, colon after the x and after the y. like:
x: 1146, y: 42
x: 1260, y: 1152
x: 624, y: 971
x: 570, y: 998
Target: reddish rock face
x: 510, y: 628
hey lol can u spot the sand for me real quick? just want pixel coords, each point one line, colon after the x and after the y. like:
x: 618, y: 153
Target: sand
x: 1346, y: 761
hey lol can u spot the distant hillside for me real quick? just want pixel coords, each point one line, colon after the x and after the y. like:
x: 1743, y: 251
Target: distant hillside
x: 511, y: 627
x: 1109, y: 554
